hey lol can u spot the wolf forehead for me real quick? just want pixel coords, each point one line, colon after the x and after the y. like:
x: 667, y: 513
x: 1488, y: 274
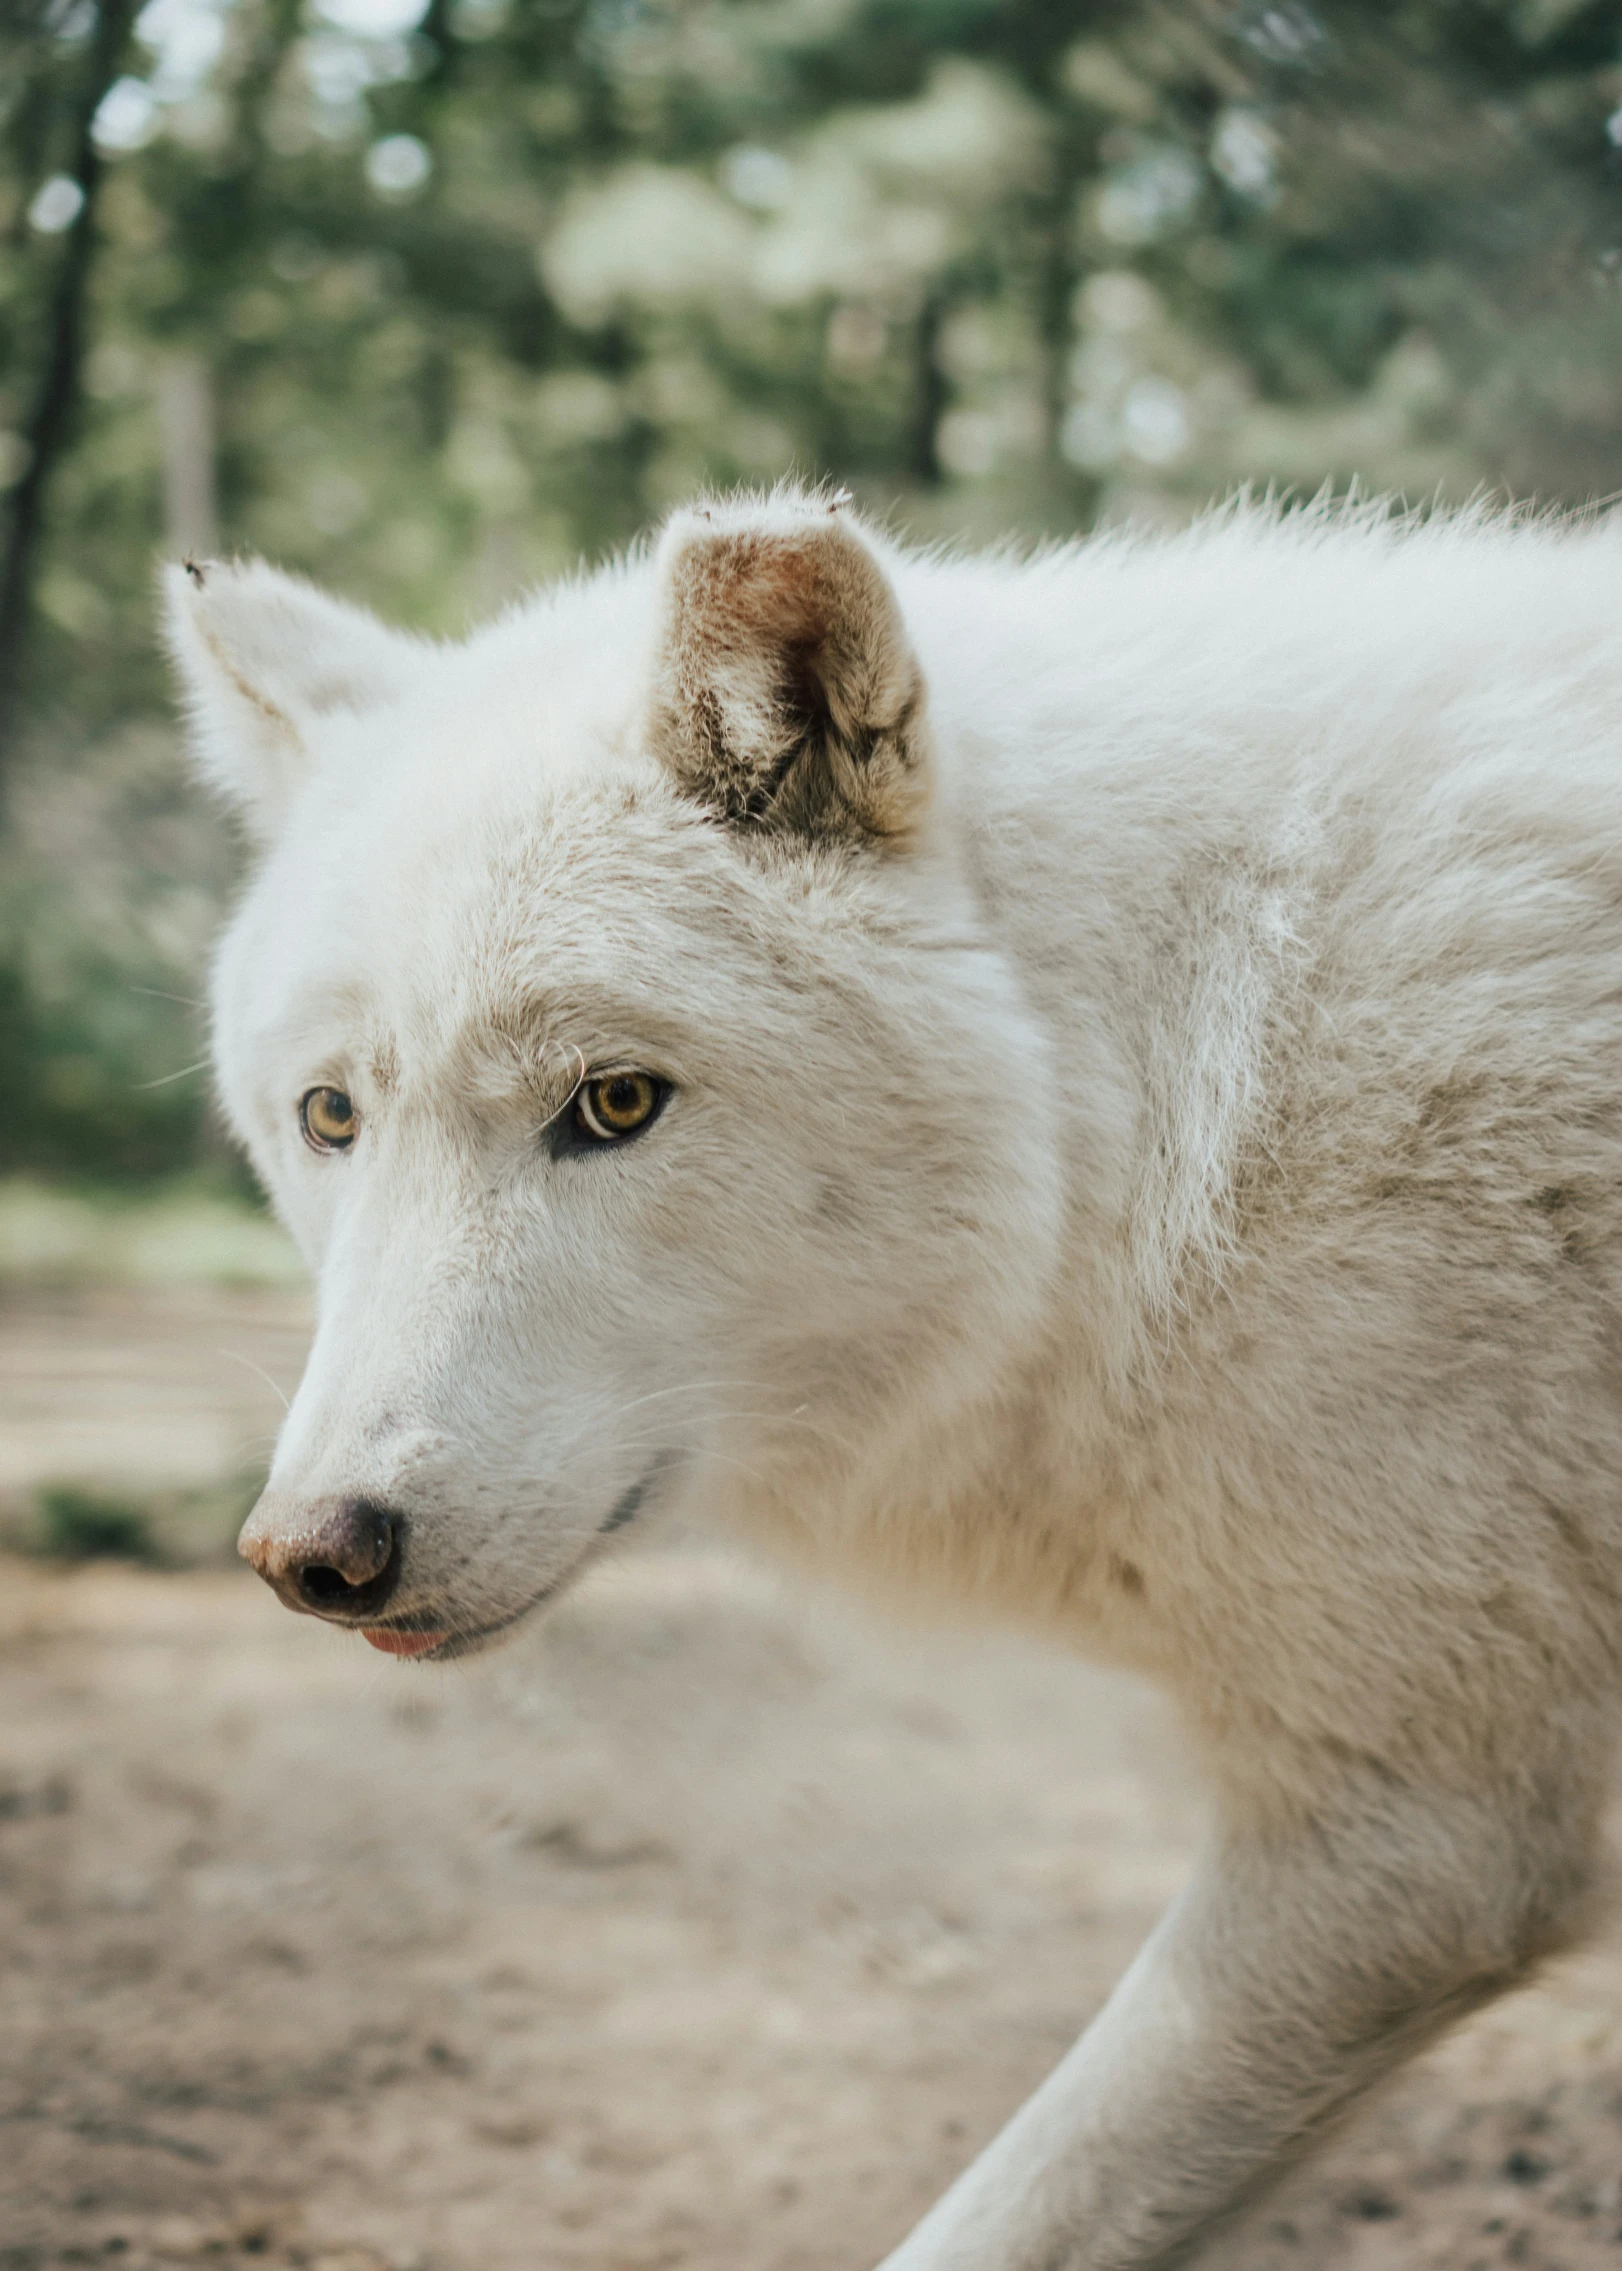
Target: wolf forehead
x: 679, y: 790
x: 491, y: 928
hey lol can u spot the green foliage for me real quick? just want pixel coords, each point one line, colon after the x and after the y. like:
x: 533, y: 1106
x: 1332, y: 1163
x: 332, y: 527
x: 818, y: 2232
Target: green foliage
x: 163, y: 1529
x: 82, y: 1525
x: 434, y: 299
x: 196, y: 1229
x: 111, y: 879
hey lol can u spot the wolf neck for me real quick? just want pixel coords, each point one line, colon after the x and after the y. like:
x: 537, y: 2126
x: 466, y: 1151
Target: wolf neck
x: 1031, y: 1410
x: 1079, y: 858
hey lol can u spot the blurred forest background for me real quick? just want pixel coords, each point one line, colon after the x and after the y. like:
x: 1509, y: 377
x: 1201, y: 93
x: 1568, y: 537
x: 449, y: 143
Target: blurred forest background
x: 433, y: 298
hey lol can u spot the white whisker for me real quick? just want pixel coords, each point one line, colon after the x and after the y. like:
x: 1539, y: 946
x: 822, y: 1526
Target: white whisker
x: 167, y: 1080
x: 236, y: 1356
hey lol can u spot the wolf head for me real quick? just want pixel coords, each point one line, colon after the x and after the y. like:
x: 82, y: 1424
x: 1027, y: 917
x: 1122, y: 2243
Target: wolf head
x: 610, y: 1022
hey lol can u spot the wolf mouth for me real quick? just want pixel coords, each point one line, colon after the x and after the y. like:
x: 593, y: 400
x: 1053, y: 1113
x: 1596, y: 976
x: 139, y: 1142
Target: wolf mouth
x: 449, y: 1646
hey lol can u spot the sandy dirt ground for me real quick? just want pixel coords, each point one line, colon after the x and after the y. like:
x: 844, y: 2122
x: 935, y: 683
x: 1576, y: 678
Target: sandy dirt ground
x: 706, y: 1926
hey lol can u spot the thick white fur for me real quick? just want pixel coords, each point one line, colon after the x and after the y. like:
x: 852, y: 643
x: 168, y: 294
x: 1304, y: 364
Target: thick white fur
x: 1145, y: 1162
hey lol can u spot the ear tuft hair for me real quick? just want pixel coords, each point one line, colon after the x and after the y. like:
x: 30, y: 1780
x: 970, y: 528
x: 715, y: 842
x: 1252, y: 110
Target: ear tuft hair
x: 785, y: 692
x: 263, y: 659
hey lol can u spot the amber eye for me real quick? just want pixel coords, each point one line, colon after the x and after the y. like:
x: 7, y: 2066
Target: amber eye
x: 617, y: 1104
x: 328, y: 1119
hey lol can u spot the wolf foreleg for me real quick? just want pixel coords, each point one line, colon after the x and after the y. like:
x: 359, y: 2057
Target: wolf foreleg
x: 1302, y: 1962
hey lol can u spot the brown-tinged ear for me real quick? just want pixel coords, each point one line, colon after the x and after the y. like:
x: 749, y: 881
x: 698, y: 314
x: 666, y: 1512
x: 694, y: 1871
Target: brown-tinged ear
x: 785, y: 693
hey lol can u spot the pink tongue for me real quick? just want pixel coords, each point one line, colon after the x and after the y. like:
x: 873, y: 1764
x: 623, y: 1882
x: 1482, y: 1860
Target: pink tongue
x: 401, y: 1643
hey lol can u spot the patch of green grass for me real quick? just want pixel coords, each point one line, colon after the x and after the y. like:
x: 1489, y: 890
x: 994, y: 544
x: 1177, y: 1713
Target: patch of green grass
x: 83, y: 1525
x: 168, y: 1529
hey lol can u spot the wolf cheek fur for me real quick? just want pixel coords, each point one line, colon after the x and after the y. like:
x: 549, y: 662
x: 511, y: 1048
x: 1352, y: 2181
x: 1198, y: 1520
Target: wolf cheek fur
x: 1141, y: 1042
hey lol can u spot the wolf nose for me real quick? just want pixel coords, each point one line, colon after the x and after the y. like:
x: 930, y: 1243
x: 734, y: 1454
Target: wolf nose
x: 339, y: 1557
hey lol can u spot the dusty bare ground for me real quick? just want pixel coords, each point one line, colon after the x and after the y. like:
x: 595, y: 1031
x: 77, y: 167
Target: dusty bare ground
x: 703, y: 1928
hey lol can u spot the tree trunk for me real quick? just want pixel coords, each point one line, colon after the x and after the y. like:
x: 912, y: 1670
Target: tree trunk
x: 56, y: 397
x: 1058, y: 271
x: 930, y: 395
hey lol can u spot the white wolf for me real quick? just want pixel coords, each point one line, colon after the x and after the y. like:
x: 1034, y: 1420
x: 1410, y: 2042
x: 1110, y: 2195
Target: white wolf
x: 1086, y: 1088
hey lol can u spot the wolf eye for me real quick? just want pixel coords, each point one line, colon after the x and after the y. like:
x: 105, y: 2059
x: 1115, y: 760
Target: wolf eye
x: 327, y: 1118
x: 617, y: 1104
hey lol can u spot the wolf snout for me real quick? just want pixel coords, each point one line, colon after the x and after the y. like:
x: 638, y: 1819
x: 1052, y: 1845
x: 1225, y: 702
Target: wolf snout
x: 334, y: 1557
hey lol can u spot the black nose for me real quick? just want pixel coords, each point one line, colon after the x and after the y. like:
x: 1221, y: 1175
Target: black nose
x: 340, y: 1557
x: 354, y: 1563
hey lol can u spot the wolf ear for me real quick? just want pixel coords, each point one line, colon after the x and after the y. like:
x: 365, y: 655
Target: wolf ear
x: 785, y: 693
x: 263, y: 660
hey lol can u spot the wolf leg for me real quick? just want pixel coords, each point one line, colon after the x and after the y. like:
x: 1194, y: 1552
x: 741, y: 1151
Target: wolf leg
x: 1305, y: 1959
